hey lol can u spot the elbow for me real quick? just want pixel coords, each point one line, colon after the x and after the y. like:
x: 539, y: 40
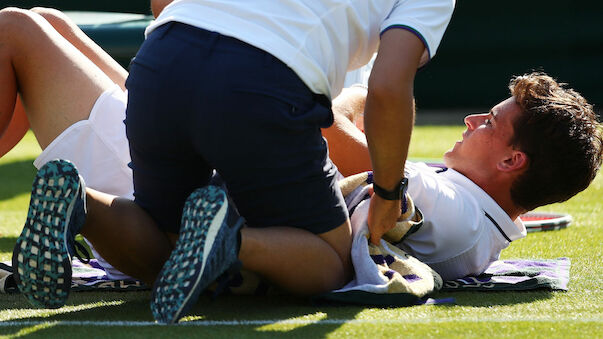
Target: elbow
x: 391, y: 90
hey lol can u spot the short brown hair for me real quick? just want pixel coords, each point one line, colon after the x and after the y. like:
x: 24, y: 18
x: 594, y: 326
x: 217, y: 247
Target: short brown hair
x: 559, y: 132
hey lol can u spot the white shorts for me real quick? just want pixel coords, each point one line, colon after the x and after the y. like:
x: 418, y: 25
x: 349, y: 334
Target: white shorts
x: 99, y: 149
x: 98, y: 146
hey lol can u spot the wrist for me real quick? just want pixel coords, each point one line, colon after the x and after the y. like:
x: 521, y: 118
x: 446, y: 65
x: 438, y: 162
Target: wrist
x: 397, y: 193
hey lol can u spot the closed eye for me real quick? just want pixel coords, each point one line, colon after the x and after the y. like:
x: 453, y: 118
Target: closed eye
x: 491, y: 116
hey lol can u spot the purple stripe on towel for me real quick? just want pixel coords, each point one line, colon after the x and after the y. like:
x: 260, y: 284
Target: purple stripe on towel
x: 412, y: 278
x: 530, y: 263
x: 381, y: 259
x: 389, y: 274
x: 378, y: 259
x: 518, y: 274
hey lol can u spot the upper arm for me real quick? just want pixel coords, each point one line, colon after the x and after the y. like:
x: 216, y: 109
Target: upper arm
x: 427, y: 20
x: 410, y: 37
x: 397, y: 61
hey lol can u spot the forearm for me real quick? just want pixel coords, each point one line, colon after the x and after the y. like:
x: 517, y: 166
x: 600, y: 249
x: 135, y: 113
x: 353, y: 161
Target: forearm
x: 388, y: 126
x: 347, y: 146
x: 347, y: 143
x: 389, y: 113
x: 388, y: 121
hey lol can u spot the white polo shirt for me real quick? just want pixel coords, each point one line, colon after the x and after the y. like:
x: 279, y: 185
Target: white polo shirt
x: 319, y: 39
x: 464, y: 229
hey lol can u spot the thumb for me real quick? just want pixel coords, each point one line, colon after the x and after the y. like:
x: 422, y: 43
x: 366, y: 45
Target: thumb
x: 375, y: 238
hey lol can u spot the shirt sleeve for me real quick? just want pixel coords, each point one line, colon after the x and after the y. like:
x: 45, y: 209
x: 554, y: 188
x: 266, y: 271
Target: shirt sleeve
x: 427, y: 19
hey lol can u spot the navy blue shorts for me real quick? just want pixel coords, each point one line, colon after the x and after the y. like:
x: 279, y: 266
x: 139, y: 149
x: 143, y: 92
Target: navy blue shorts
x: 199, y: 101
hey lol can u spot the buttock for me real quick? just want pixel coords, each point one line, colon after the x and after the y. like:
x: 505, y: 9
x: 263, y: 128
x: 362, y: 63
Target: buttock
x: 220, y: 104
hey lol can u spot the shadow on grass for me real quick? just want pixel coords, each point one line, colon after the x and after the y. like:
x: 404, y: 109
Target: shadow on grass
x: 134, y: 306
x: 274, y: 309
x: 16, y: 178
x: 7, y: 243
x: 235, y: 316
x: 499, y: 298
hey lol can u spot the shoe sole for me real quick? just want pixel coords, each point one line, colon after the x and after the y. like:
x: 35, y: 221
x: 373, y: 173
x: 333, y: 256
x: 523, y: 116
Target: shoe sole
x: 180, y: 280
x: 41, y: 258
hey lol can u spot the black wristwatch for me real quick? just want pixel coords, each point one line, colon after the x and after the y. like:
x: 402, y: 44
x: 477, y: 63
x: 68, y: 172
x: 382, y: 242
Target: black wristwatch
x: 396, y: 194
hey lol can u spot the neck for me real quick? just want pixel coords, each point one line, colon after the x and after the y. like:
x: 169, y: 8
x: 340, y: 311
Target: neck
x: 499, y: 189
x: 507, y: 204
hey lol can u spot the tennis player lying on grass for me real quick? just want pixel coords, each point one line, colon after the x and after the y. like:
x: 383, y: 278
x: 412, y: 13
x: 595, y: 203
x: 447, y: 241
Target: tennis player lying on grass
x: 500, y: 169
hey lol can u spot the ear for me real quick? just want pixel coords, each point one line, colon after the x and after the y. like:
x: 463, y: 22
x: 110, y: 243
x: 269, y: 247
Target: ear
x: 516, y: 161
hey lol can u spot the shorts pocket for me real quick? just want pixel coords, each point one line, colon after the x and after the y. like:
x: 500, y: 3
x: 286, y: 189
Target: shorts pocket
x: 292, y: 110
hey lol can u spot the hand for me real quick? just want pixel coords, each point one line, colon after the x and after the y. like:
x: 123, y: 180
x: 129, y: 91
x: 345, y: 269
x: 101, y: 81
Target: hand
x: 382, y: 217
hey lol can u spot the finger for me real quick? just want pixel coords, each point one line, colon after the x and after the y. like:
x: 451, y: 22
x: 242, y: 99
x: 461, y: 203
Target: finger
x: 375, y: 239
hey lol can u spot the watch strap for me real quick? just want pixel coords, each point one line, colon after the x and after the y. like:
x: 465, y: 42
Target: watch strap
x: 396, y: 194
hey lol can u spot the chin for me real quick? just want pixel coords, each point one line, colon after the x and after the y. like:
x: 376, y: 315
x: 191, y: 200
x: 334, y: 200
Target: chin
x: 451, y: 160
x: 448, y: 156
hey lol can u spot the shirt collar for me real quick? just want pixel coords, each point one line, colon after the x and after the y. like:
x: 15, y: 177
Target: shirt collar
x: 513, y: 230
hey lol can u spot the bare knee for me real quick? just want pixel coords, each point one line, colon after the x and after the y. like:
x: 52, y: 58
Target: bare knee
x: 47, y: 12
x: 17, y: 24
x: 15, y: 20
x: 11, y: 18
x: 56, y: 18
x: 338, y: 275
x: 8, y: 12
x: 340, y: 240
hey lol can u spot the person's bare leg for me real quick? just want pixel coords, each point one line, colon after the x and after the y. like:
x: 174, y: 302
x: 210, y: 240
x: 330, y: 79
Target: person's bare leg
x: 297, y: 260
x: 157, y: 6
x: 16, y: 129
x: 59, y: 86
x: 8, y: 83
x: 72, y: 33
x: 131, y: 223
x: 57, y: 83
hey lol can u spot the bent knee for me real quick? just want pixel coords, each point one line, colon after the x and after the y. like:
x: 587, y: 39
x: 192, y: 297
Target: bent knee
x: 45, y: 10
x: 340, y: 241
x: 16, y: 21
x: 50, y: 14
x: 335, y: 280
x: 13, y: 14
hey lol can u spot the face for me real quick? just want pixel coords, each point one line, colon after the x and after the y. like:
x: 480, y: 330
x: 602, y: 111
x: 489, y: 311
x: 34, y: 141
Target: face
x: 485, y: 142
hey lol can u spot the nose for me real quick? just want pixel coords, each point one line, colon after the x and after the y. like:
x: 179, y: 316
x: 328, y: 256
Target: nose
x: 474, y: 120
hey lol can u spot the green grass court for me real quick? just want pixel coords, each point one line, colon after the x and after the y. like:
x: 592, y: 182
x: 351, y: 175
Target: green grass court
x: 538, y: 314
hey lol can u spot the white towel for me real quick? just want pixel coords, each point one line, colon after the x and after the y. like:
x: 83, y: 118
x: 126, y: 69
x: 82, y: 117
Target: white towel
x: 385, y: 268
x: 382, y: 273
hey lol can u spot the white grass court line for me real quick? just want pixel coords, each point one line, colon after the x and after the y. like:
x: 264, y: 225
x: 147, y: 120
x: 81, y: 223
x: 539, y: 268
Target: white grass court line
x: 204, y: 323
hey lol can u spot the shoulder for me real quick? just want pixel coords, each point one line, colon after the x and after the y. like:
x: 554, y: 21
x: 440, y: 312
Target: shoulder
x: 427, y: 19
